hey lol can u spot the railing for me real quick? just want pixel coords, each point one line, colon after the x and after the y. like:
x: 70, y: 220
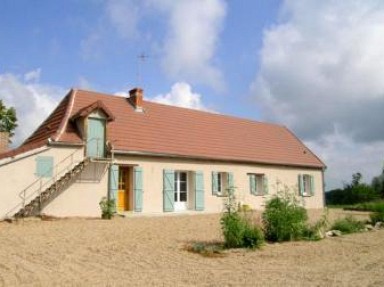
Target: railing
x: 51, y: 177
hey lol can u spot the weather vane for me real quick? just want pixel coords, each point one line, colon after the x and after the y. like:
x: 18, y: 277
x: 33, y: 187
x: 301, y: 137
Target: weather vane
x: 140, y: 61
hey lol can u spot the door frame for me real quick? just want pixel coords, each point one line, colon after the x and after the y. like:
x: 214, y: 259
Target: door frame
x: 127, y: 183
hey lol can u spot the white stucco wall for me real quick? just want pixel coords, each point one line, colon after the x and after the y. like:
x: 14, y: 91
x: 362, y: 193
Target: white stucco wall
x: 83, y: 196
x: 278, y: 179
x: 17, y: 173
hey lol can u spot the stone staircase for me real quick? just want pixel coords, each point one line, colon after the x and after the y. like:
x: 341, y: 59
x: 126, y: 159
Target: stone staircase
x: 34, y: 207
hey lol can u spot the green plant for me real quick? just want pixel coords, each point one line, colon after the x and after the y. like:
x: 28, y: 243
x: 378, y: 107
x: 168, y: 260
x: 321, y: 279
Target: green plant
x: 348, y: 225
x: 376, y: 217
x: 283, y: 218
x: 206, y: 249
x: 253, y: 237
x: 318, y: 229
x: 237, y: 230
x: 107, y: 207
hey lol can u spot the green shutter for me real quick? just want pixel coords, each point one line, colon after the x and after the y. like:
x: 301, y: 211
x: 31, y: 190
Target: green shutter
x: 96, y: 138
x: 252, y: 183
x: 215, y: 182
x: 113, y: 183
x: 138, y: 188
x: 168, y: 190
x: 44, y: 166
x: 199, y: 191
x: 230, y: 184
x: 265, y: 184
x: 312, y: 181
x: 301, y: 184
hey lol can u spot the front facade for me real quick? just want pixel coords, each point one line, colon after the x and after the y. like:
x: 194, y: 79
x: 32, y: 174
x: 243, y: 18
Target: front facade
x: 151, y: 158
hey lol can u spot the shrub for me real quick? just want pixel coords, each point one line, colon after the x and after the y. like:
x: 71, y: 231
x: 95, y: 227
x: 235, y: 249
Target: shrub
x: 238, y: 232
x: 284, y: 219
x: 317, y: 230
x: 253, y: 237
x: 233, y: 227
x: 376, y: 217
x: 107, y: 207
x: 348, y: 225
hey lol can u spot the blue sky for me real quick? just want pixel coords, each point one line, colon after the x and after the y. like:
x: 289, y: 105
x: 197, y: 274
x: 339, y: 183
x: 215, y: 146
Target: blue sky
x: 314, y: 66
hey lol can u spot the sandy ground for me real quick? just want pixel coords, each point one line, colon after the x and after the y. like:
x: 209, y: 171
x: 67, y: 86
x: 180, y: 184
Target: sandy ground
x: 149, y: 251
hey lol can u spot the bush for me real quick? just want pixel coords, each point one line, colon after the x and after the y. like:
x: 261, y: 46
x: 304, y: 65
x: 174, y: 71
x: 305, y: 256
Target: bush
x: 348, y: 225
x: 284, y: 219
x: 375, y: 206
x: 233, y: 227
x: 376, y: 217
x: 238, y: 232
x: 107, y: 207
x: 253, y: 237
x: 317, y: 230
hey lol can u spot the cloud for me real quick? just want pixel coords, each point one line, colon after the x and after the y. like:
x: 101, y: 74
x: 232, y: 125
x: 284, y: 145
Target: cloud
x: 124, y: 17
x: 321, y: 71
x: 181, y: 95
x: 33, y: 101
x: 191, y: 40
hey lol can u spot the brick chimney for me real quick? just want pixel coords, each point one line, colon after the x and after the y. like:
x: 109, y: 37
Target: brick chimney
x: 4, y: 140
x: 136, y: 98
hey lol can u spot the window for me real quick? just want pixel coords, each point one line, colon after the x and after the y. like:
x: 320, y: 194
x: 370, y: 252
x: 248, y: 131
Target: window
x: 44, y: 166
x: 221, y: 182
x: 306, y: 185
x: 258, y: 184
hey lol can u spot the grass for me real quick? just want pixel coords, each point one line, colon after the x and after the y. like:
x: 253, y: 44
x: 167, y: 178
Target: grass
x: 373, y: 206
x: 348, y: 225
x: 206, y: 249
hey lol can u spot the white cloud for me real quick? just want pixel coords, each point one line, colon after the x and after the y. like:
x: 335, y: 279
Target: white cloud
x: 124, y: 17
x: 191, y: 40
x: 321, y: 68
x: 181, y: 95
x: 32, y: 75
x: 33, y: 101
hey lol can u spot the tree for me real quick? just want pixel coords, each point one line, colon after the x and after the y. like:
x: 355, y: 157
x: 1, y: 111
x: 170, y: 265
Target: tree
x: 378, y: 183
x: 8, y: 119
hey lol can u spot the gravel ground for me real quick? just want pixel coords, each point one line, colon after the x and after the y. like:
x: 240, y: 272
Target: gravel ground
x: 150, y: 251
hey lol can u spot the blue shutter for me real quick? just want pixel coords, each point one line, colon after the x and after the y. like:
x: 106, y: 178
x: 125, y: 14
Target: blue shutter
x: 252, y: 184
x: 199, y: 191
x: 215, y: 182
x: 113, y: 183
x: 301, y: 184
x: 265, y: 185
x: 138, y: 188
x: 312, y: 187
x: 44, y: 166
x: 169, y: 190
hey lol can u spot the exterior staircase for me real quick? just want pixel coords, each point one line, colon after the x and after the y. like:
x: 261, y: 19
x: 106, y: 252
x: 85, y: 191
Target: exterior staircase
x: 35, y: 206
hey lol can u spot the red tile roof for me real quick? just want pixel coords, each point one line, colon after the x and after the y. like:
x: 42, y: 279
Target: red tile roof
x: 168, y: 130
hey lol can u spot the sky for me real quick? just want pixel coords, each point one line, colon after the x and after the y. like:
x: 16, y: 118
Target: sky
x: 316, y: 67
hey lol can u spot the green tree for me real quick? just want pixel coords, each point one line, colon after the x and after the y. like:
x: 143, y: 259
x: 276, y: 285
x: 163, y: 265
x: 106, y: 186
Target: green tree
x: 378, y: 183
x: 8, y: 119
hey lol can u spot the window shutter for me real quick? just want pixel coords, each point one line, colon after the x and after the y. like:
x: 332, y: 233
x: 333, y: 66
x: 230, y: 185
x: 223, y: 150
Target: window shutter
x: 44, y: 166
x: 252, y: 184
x: 301, y: 184
x: 265, y: 185
x: 215, y: 181
x: 113, y: 183
x: 312, y: 181
x: 138, y: 188
x: 168, y: 190
x: 199, y: 191
x: 230, y: 184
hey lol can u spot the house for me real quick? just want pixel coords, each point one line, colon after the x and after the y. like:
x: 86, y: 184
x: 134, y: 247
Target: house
x: 151, y: 158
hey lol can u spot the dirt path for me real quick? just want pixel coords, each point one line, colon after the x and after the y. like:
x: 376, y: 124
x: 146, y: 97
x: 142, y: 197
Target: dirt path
x: 148, y: 251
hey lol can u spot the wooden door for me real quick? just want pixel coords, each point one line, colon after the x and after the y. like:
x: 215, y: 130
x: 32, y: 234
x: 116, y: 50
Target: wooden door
x: 96, y: 138
x: 123, y: 193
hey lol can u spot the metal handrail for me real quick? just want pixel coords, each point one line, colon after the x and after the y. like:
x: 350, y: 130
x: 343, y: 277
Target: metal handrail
x: 57, y: 173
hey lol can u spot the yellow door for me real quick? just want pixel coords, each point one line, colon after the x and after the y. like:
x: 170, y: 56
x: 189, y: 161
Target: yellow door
x: 123, y: 192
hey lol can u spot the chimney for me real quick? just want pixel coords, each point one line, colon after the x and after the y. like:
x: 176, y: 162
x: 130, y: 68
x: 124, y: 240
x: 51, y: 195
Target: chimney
x: 136, y: 99
x: 4, y: 140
